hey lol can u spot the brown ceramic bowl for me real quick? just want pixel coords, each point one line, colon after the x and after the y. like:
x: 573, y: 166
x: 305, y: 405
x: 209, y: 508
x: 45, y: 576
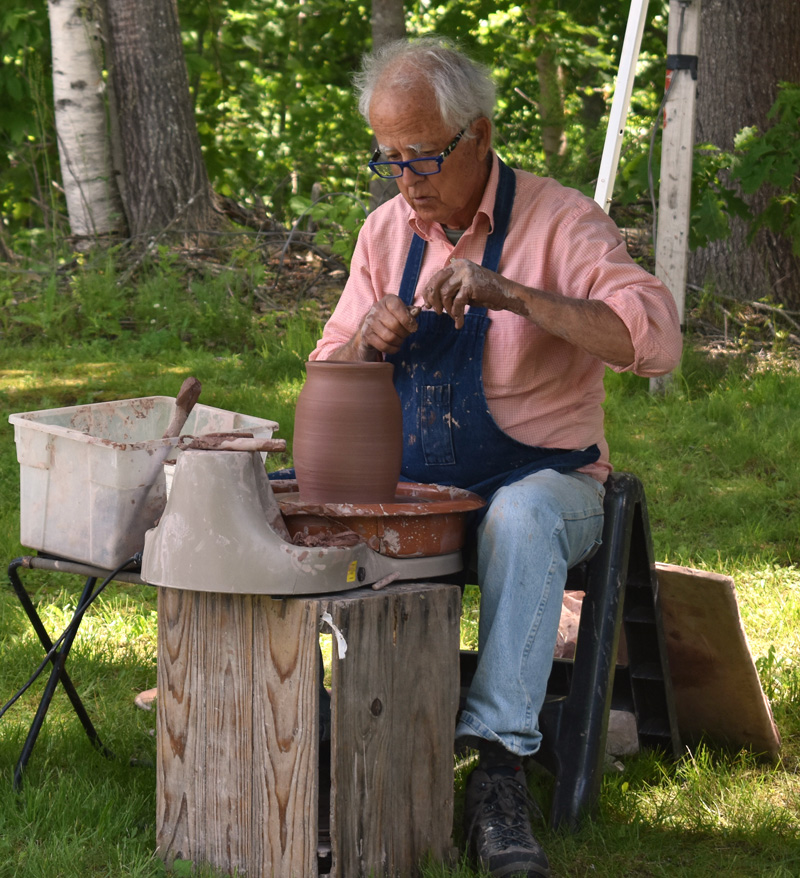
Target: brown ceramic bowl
x: 424, y: 520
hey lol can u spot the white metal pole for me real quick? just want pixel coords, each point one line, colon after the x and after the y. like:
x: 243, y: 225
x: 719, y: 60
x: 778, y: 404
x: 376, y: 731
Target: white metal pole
x: 619, y: 106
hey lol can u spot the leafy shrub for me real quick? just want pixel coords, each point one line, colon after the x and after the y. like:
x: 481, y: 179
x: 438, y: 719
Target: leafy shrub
x: 116, y: 294
x: 759, y: 159
x: 338, y: 219
x: 772, y: 158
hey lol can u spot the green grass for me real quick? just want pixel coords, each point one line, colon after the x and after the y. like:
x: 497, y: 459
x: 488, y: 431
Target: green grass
x: 718, y: 460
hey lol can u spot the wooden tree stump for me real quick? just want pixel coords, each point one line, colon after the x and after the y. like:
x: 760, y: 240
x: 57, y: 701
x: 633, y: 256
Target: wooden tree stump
x: 238, y: 784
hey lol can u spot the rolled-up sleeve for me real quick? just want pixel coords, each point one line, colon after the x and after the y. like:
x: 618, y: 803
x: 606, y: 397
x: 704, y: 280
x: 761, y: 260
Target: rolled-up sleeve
x: 650, y: 314
x: 597, y: 265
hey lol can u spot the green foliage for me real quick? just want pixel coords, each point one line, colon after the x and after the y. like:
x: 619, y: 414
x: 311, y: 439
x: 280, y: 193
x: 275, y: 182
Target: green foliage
x: 769, y: 159
x: 338, y: 218
x: 28, y: 155
x: 772, y: 159
x: 23, y: 37
x: 713, y: 201
x: 273, y: 97
x: 158, y: 297
x: 276, y: 114
x: 583, y: 41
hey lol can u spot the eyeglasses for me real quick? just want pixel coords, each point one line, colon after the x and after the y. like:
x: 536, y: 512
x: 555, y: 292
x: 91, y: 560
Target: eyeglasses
x: 423, y: 166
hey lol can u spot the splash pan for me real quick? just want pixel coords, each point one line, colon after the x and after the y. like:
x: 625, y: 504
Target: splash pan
x: 424, y: 520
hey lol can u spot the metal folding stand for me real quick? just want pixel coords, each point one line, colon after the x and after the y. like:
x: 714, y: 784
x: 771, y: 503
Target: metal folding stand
x: 58, y: 672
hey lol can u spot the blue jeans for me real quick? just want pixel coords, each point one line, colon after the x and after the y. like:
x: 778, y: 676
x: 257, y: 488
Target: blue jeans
x: 533, y: 532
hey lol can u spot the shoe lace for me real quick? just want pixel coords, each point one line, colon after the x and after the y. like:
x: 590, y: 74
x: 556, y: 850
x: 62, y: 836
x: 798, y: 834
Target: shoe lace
x: 504, y: 811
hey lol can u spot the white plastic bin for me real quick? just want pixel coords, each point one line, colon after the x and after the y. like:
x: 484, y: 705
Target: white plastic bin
x: 92, y: 476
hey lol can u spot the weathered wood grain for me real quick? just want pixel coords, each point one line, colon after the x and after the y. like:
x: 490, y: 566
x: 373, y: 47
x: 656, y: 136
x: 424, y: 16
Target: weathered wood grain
x: 677, y: 141
x: 395, y: 698
x: 718, y: 694
x: 224, y: 717
x: 238, y: 730
x: 180, y: 791
x: 286, y: 738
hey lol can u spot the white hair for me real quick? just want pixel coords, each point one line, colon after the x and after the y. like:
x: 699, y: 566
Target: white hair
x: 463, y: 88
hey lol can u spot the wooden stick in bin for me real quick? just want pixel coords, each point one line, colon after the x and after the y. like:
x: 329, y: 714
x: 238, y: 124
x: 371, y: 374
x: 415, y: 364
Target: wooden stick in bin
x: 184, y: 403
x: 231, y: 442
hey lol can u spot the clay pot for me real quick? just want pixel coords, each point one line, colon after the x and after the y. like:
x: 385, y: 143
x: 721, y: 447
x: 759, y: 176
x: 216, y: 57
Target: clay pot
x: 348, y: 433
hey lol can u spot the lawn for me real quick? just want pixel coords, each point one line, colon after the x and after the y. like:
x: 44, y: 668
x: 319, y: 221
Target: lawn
x: 717, y: 456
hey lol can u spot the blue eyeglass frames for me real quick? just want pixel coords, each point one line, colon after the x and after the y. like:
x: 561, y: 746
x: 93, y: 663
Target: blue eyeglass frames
x: 423, y: 166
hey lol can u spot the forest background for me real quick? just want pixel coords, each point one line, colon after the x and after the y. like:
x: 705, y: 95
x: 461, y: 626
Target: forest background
x: 272, y: 97
x: 269, y: 92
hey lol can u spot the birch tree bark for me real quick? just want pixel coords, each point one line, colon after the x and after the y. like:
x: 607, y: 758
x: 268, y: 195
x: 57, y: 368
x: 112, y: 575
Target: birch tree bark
x: 166, y: 187
x: 751, y: 46
x: 90, y: 185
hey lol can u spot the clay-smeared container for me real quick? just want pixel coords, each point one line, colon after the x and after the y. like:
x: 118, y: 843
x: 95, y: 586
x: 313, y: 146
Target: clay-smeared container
x: 348, y: 433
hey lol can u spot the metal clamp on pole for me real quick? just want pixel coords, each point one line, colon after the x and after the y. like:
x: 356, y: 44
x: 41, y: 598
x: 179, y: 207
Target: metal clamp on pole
x: 683, y: 62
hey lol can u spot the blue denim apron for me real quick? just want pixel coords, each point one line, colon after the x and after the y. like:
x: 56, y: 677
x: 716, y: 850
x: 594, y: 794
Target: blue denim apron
x: 449, y: 434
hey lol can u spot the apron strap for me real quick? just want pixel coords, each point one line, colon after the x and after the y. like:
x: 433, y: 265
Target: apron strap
x: 408, y: 285
x: 503, y: 203
x: 492, y: 251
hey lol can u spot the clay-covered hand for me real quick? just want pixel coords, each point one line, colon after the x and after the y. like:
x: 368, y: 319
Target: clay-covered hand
x: 464, y: 283
x: 384, y: 328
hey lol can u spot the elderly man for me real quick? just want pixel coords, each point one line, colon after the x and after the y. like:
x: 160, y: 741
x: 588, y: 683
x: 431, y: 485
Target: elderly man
x: 527, y: 294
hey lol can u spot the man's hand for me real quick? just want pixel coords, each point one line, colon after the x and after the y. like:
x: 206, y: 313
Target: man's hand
x: 383, y: 330
x: 465, y: 283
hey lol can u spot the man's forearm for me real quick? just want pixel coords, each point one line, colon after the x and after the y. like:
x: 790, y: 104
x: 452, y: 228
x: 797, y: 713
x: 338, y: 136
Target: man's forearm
x: 589, y: 325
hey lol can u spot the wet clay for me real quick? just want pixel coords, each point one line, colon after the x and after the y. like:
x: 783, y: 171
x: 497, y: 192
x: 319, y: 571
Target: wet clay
x: 421, y: 521
x: 348, y: 433
x: 345, y: 538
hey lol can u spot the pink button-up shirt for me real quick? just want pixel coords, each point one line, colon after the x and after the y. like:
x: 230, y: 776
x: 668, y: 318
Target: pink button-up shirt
x: 540, y: 389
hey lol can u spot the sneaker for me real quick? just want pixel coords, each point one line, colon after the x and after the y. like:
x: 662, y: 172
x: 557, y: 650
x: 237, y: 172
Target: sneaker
x: 497, y: 822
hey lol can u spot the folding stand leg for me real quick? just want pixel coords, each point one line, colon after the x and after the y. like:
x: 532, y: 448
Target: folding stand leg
x: 577, y: 741
x: 57, y: 673
x: 620, y: 593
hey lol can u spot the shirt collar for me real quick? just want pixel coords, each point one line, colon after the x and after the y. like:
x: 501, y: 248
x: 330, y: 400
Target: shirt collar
x: 428, y: 231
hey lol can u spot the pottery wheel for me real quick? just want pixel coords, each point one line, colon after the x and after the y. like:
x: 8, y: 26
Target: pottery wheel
x: 423, y: 520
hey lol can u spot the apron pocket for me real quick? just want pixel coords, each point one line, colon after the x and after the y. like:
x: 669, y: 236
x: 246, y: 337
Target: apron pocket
x: 436, y: 425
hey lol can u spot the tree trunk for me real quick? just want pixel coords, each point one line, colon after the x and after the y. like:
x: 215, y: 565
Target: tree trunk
x: 550, y: 101
x: 166, y: 187
x: 388, y: 24
x: 90, y: 186
x: 750, y: 46
x: 551, y: 109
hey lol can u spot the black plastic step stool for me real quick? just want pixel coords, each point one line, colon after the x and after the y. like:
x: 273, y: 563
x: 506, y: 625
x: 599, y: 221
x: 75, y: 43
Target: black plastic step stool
x: 621, y: 594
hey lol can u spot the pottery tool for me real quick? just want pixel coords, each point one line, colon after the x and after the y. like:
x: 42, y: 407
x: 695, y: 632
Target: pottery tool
x: 184, y: 403
x: 231, y: 442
